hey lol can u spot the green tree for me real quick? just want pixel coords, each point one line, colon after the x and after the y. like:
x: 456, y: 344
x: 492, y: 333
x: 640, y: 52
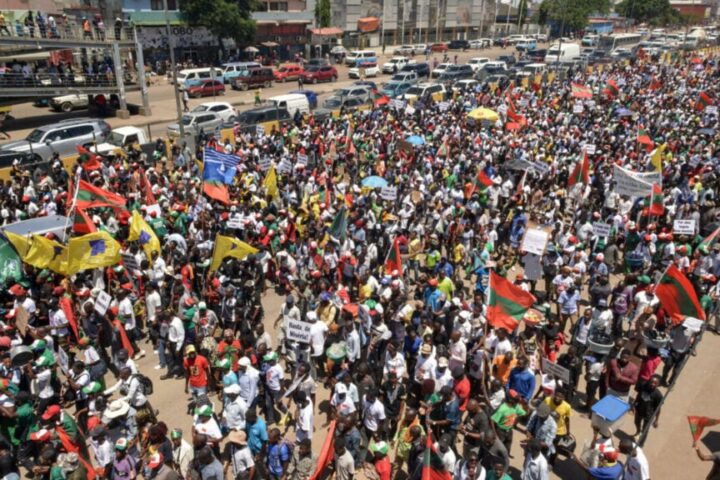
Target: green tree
x: 223, y: 18
x: 322, y: 13
x: 645, y: 11
x: 570, y: 15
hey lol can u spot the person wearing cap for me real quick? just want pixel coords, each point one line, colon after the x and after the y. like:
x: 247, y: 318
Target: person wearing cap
x: 326, y: 310
x: 289, y: 312
x: 123, y: 465
x: 442, y: 375
x: 22, y: 299
x: 132, y: 391
x: 159, y: 470
x: 506, y: 416
x: 609, y: 467
x: 380, y: 460
x: 197, y: 372
x: 274, y: 374
x: 204, y: 423
x: 182, y: 452
x: 102, y: 448
x: 235, y: 408
x: 543, y: 427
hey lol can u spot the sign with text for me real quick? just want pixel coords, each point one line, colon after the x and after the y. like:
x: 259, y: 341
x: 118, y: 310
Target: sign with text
x: 397, y: 104
x: 551, y: 368
x: 632, y: 183
x: 285, y: 166
x: 578, y: 108
x: 265, y: 164
x: 259, y: 130
x: 102, y: 302
x: 388, y: 193
x: 302, y: 159
x: 601, y: 229
x: 298, y: 331
x: 590, y: 148
x: 409, y: 110
x: 535, y: 241
x: 234, y: 222
x: 520, y: 164
x: 443, y: 106
x: 129, y: 261
x: 684, y: 227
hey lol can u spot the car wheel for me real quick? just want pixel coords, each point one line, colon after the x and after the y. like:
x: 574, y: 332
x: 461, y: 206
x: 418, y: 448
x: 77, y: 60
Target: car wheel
x: 66, y: 107
x: 232, y: 119
x: 244, y: 87
x: 314, y: 80
x: 267, y: 84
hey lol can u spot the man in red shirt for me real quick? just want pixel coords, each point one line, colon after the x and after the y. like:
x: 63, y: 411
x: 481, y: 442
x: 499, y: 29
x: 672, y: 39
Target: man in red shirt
x: 381, y: 460
x: 622, y: 374
x: 461, y: 387
x: 196, y: 372
x: 229, y: 347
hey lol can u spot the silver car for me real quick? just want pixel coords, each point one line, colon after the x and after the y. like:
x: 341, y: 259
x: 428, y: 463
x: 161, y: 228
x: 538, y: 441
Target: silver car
x: 196, y: 122
x: 61, y: 138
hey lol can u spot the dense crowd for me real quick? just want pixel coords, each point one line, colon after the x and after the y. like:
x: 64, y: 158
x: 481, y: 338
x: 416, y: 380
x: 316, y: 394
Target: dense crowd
x: 387, y: 307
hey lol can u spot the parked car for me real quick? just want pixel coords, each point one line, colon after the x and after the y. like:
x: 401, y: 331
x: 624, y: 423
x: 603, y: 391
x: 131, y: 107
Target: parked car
x: 507, y: 59
x: 458, y: 45
x: 269, y: 117
x: 226, y: 111
x: 253, y: 78
x: 366, y: 83
x: 440, y: 69
x: 420, y: 90
x: 367, y: 69
x: 288, y: 72
x: 61, y: 137
x: 335, y: 105
x: 438, y: 47
x: 315, y: 74
x: 526, y: 44
x: 541, y: 37
x: 394, y: 89
x: 338, y: 50
x: 311, y: 96
x: 73, y: 101
x: 316, y: 62
x: 196, y: 122
x: 395, y: 64
x: 465, y: 85
x: 122, y: 138
x: 409, y: 77
x: 481, y: 43
x: 422, y: 69
x: 537, y: 55
x: 419, y: 48
x: 404, y: 50
x: 360, y: 91
x: 477, y: 63
x: 206, y: 88
x: 501, y: 80
x: 459, y: 72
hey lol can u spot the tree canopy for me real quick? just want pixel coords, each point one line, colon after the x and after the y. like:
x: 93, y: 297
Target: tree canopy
x: 224, y: 18
x: 322, y: 13
x: 656, y: 12
x: 573, y: 14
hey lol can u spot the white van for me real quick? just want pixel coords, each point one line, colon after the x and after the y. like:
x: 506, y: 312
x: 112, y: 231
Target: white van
x: 362, y: 55
x: 563, y: 53
x: 195, y: 76
x: 590, y: 40
x: 535, y: 68
x: 477, y: 63
x: 292, y: 102
x: 235, y: 69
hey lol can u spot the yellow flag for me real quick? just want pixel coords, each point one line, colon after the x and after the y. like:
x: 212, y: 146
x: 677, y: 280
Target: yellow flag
x: 141, y: 232
x: 21, y: 244
x: 656, y: 157
x: 270, y: 182
x: 229, y: 247
x: 46, y: 253
x: 94, y: 250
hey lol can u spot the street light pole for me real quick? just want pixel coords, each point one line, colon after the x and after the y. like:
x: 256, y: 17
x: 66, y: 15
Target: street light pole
x: 173, y: 66
x: 482, y: 18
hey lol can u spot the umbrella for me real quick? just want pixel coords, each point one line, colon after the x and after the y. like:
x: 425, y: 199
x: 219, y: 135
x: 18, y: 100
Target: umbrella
x: 483, y: 114
x: 623, y: 112
x: 374, y: 182
x: 251, y: 50
x: 706, y: 131
x: 415, y: 140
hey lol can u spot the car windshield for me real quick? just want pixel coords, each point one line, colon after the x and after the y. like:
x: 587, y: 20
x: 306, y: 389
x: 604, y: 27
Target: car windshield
x: 117, y: 139
x: 414, y: 91
x: 35, y: 136
x: 332, y: 102
x: 312, y: 68
x: 200, y: 108
x: 187, y: 119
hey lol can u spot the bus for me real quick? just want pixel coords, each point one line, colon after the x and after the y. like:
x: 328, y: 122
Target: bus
x: 609, y: 43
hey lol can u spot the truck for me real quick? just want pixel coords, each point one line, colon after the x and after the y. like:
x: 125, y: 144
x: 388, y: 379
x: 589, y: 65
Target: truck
x: 120, y: 139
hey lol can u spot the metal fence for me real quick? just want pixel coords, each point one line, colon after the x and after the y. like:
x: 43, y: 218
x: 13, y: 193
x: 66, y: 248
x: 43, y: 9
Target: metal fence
x: 52, y: 81
x: 68, y: 31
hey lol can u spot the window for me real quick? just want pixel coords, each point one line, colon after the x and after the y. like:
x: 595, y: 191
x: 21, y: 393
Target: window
x: 159, y: 5
x: 57, y: 135
x: 278, y: 7
x: 80, y: 131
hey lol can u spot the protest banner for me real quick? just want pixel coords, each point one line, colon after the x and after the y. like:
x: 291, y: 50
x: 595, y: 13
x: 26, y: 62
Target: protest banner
x: 684, y: 227
x: 388, y: 193
x: 601, y: 229
x: 102, y: 302
x: 551, y: 368
x: 535, y: 241
x: 632, y: 183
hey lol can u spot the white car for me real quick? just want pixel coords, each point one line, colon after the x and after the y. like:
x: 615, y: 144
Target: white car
x: 440, y: 69
x: 404, y: 50
x: 481, y: 43
x: 477, y: 63
x: 419, y: 48
x: 396, y: 64
x: 338, y: 50
x: 368, y: 71
x: 541, y: 37
x: 223, y: 109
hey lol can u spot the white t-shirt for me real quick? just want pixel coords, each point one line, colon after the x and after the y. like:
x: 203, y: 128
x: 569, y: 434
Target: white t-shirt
x: 273, y: 377
x: 125, y: 309
x: 637, y: 467
x: 343, y: 406
x: 374, y: 414
x: 317, y: 337
x: 209, y: 428
x: 153, y: 303
x: 304, y: 424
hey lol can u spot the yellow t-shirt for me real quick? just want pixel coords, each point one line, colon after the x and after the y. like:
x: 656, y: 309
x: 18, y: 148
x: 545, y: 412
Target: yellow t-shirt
x: 563, y: 412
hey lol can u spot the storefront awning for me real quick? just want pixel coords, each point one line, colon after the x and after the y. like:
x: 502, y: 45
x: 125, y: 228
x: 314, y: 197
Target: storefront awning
x: 368, y: 24
x: 269, y: 44
x: 327, y: 31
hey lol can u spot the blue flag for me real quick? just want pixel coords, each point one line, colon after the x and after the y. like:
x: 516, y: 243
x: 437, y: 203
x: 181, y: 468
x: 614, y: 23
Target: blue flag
x: 219, y: 167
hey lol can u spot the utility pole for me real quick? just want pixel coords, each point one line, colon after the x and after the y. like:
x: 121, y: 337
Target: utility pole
x: 173, y: 66
x: 520, y: 10
x: 382, y: 31
x: 402, y: 35
x: 497, y: 6
x: 482, y: 18
x: 437, y: 22
x: 507, y: 17
x: 421, y: 7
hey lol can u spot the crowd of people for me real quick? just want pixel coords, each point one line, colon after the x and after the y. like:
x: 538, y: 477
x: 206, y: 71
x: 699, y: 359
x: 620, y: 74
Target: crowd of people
x: 388, y: 332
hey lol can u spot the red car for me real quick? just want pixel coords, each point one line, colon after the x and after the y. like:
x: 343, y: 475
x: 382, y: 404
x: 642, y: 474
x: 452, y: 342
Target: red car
x: 287, y: 72
x: 320, y: 73
x: 438, y: 47
x: 206, y: 89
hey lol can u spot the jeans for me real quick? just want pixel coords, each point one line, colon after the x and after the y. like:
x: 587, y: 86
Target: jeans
x: 197, y: 391
x: 161, y: 352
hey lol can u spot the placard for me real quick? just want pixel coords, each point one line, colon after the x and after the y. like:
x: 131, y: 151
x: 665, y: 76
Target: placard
x: 388, y: 193
x: 631, y: 183
x: 444, y: 106
x: 502, y: 109
x: 578, y: 108
x: 102, y: 302
x: 601, y: 229
x: 234, y: 222
x: 555, y: 370
x: 684, y: 227
x: 285, y: 166
x: 63, y: 360
x: 22, y: 318
x: 535, y: 241
x: 693, y: 324
x: 409, y: 110
x: 590, y: 148
x: 298, y: 331
x: 302, y: 159
x: 397, y: 104
x: 711, y: 109
x: 259, y: 130
x: 520, y: 164
x: 129, y: 261
x: 265, y: 163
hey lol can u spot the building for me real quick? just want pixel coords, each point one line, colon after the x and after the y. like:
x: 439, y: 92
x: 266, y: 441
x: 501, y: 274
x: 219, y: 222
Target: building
x: 698, y: 10
x: 281, y: 27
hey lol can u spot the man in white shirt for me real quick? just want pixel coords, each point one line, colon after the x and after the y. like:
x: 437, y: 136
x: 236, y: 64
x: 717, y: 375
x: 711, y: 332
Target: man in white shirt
x: 248, y: 378
x: 457, y: 350
x: 318, y: 332
x: 236, y: 408
x: 130, y: 388
x: 535, y: 466
x: 153, y: 302
x: 636, y: 464
x: 303, y: 417
x: 289, y: 312
x: 373, y: 413
x: 175, y: 339
x: 126, y: 314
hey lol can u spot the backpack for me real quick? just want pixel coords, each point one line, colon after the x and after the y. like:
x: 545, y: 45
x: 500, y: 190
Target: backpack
x: 146, y: 383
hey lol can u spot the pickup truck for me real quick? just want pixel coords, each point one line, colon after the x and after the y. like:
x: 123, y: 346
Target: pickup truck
x: 120, y: 139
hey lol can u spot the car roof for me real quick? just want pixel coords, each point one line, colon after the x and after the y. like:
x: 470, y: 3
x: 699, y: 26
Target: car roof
x: 195, y: 114
x: 213, y: 104
x: 126, y: 129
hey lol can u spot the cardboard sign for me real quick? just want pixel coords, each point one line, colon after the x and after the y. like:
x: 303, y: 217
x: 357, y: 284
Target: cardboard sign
x: 684, y: 227
x: 535, y: 241
x: 711, y: 110
x: 409, y: 110
x: 129, y: 261
x: 520, y: 164
x: 631, y: 183
x: 443, y: 106
x: 590, y: 149
x: 388, y: 193
x: 22, y: 317
x: 302, y: 159
x: 265, y: 164
x: 285, y: 166
x: 555, y: 370
x: 693, y: 324
x: 298, y: 331
x: 102, y: 302
x: 578, y: 108
x: 601, y: 229
x: 259, y: 130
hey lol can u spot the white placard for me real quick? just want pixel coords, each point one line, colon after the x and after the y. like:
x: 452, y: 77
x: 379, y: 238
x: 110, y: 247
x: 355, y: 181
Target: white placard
x: 632, y: 183
x: 443, y: 106
x: 129, y: 261
x: 711, y: 109
x: 684, y: 227
x: 397, y: 104
x: 259, y: 130
x: 693, y: 324
x: 590, y: 149
x: 590, y: 103
x: 556, y: 370
x: 409, y: 110
x: 265, y: 164
x: 388, y: 193
x: 102, y: 302
x: 601, y: 229
x: 535, y: 241
x: 578, y: 108
x: 520, y: 164
x: 285, y: 166
x: 502, y: 109
x: 234, y: 222
x: 302, y: 159
x: 298, y: 331
x: 63, y: 360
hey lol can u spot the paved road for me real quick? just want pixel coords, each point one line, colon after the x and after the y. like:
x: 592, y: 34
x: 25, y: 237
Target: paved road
x: 162, y: 100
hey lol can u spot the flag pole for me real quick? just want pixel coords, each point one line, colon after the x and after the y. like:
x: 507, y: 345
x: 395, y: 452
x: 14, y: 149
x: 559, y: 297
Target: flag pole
x: 661, y: 277
x: 73, y: 205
